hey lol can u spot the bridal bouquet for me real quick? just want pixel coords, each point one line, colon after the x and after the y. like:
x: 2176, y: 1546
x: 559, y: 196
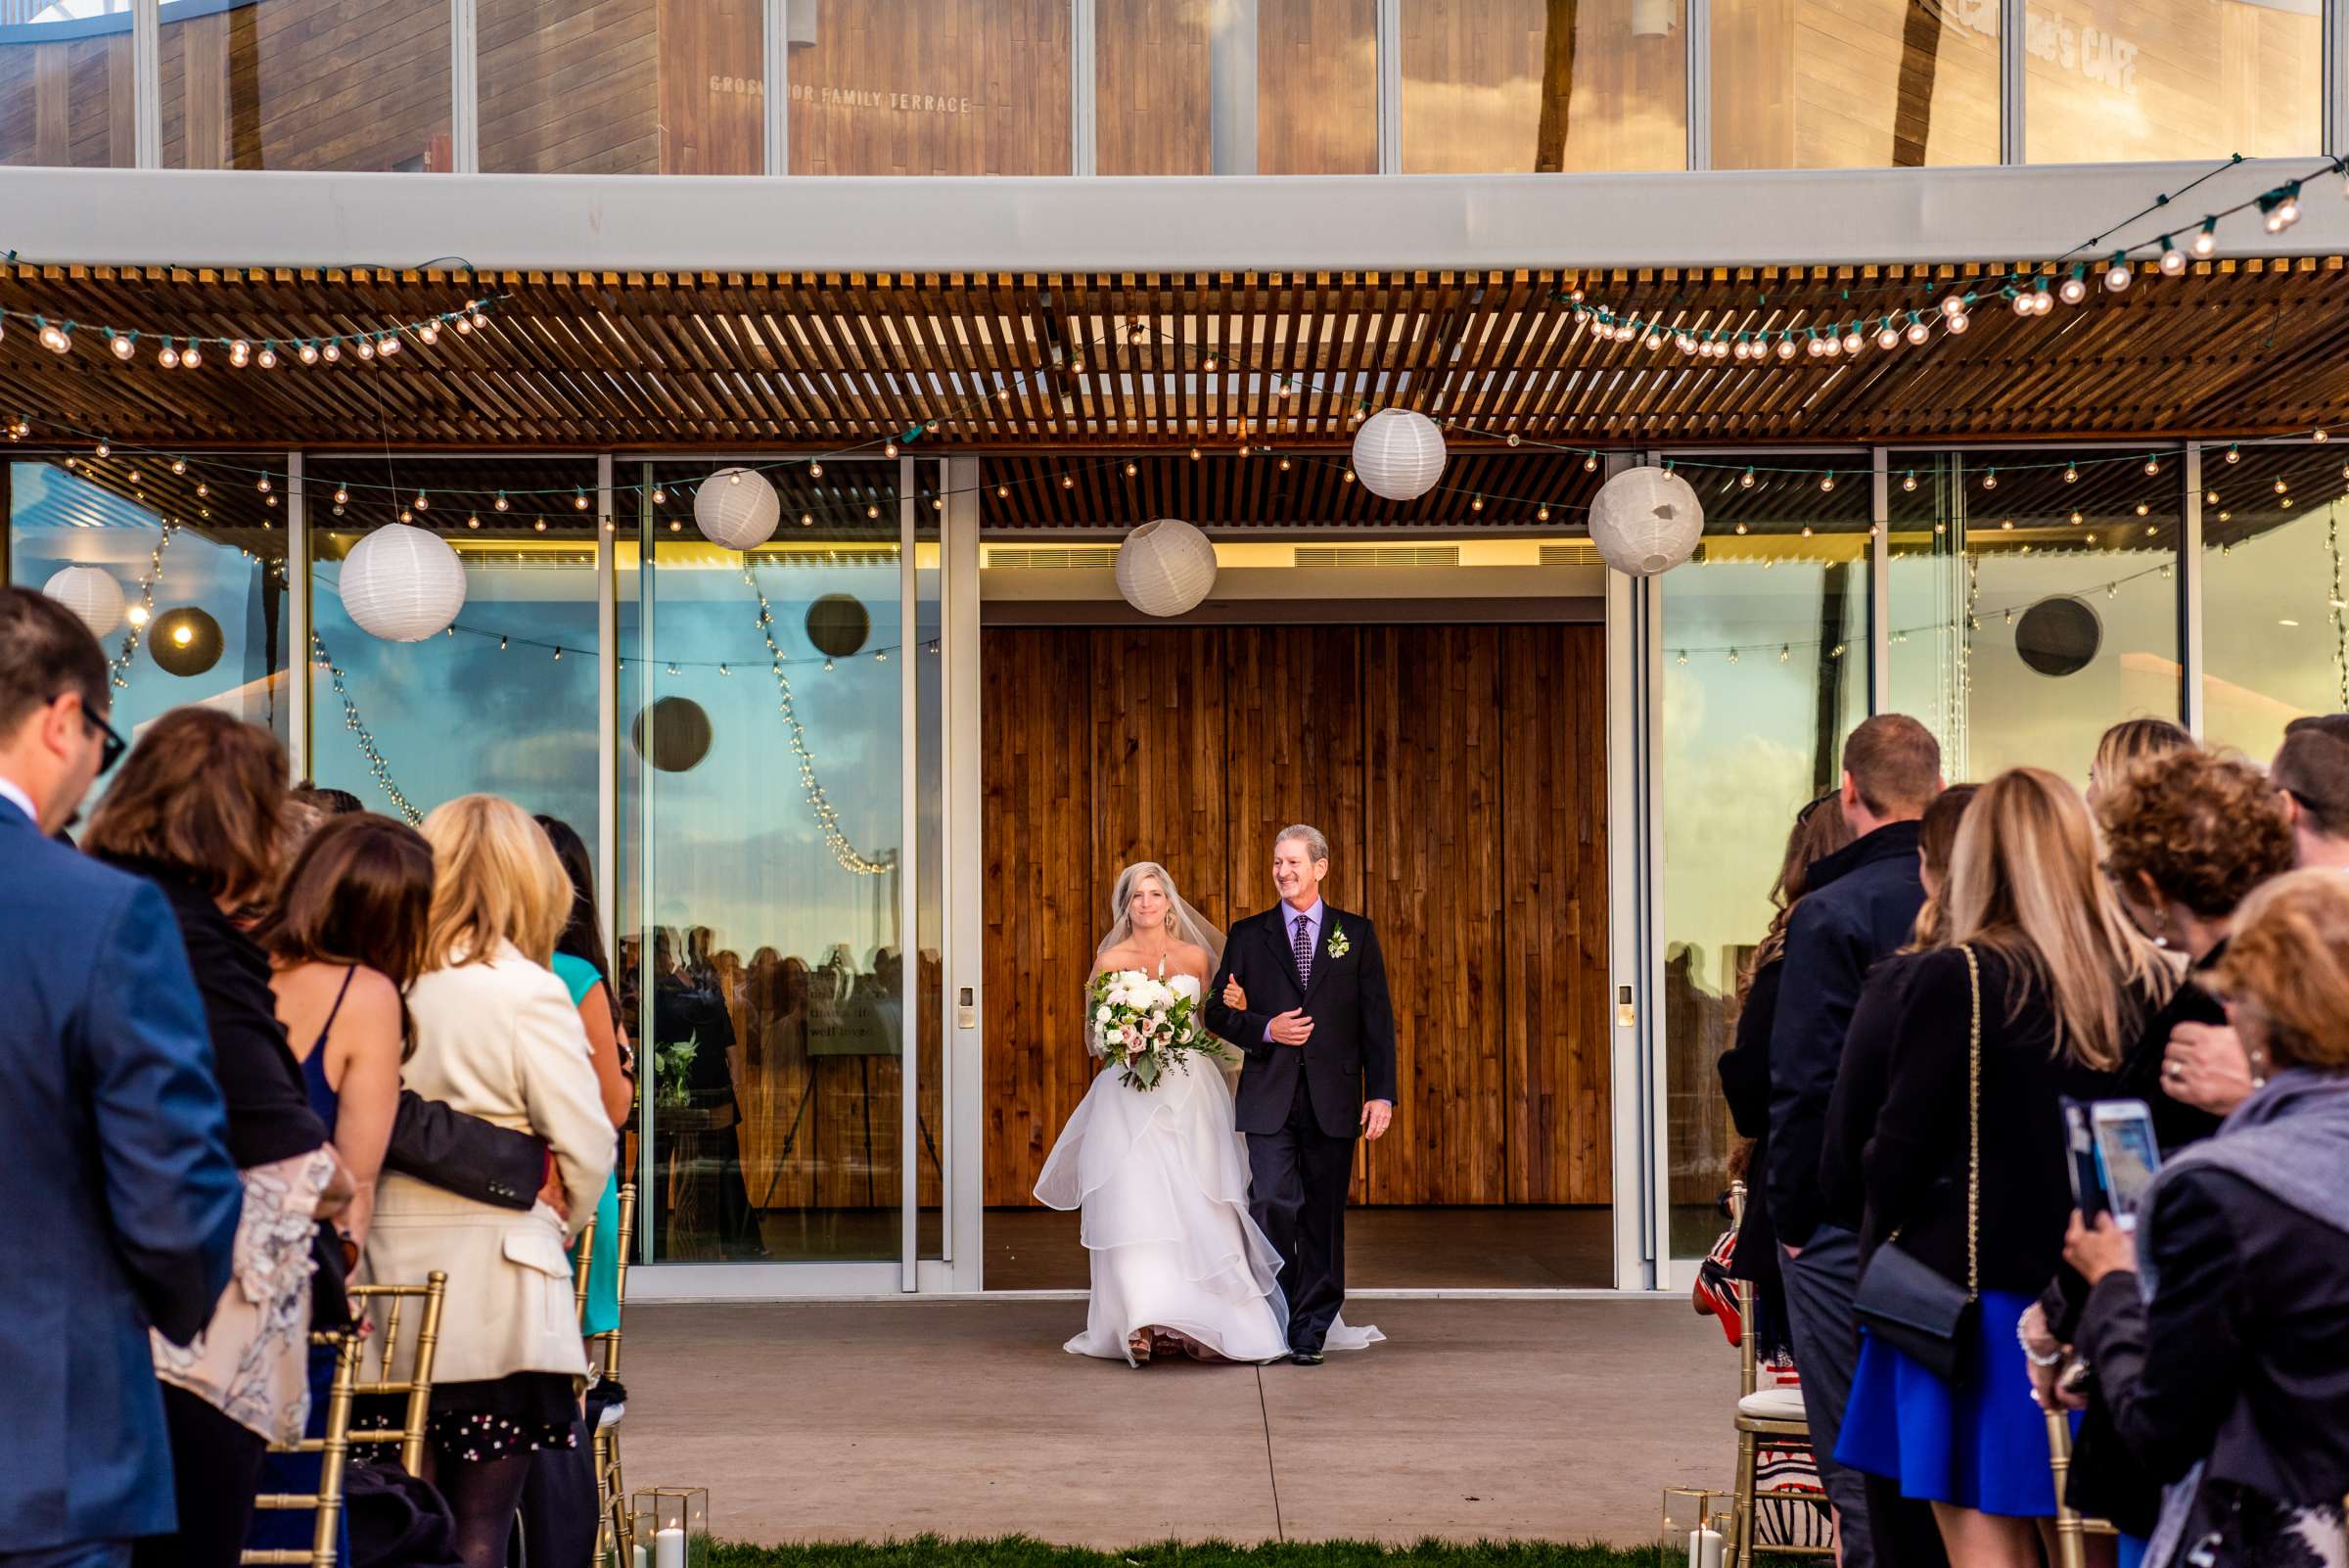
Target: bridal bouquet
x: 1147, y: 1027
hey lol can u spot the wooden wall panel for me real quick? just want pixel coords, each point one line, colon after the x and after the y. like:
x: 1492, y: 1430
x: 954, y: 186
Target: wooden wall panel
x: 1434, y: 764
x: 1158, y: 749
x: 713, y: 87
x: 1316, y: 87
x: 1154, y: 91
x: 932, y: 87
x: 1554, y: 929
x: 1460, y: 775
x: 1041, y: 896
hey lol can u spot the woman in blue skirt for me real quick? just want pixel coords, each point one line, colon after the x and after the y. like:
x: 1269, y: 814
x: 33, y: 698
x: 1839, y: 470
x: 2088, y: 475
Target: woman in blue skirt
x: 2039, y: 984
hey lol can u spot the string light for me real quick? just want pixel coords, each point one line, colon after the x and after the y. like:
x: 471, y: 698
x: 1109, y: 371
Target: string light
x: 377, y: 768
x: 820, y: 805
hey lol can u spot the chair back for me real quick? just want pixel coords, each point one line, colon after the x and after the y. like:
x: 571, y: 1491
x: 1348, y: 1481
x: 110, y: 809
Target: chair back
x: 417, y: 1385
x: 2072, y: 1528
x: 586, y: 1265
x: 608, y: 1344
x: 1749, y: 1374
x: 332, y: 1449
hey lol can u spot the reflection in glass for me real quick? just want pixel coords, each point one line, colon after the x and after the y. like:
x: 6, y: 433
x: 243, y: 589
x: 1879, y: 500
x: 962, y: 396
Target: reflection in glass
x: 2029, y: 612
x: 1765, y: 671
x: 2125, y: 81
x: 191, y: 606
x: 2273, y: 591
x: 1512, y: 86
x: 307, y: 84
x: 579, y: 87
x: 906, y: 87
x: 66, y: 91
x: 504, y: 702
x: 760, y: 720
x: 1856, y: 85
x: 1169, y: 75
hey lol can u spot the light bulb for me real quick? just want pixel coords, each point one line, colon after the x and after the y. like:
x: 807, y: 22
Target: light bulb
x: 578, y: 500
x: 1952, y: 305
x: 120, y: 343
x: 421, y: 502
x: 365, y: 349
x: 2207, y: 240
x: 481, y: 319
x: 1785, y: 347
x: 307, y: 353
x: 501, y: 503
x: 391, y: 345
x: 1990, y: 480
x: 889, y: 449
x: 180, y: 465
x: 2173, y: 260
x: 136, y: 615
x: 2071, y: 475
x: 1959, y: 322
x: 1827, y: 481
x: 2152, y: 465
x: 1853, y: 342
x: 103, y: 449
x: 56, y: 339
x: 1917, y: 331
x: 1591, y: 464
x: 2023, y: 305
x: 2073, y: 290
x: 240, y: 353
x: 342, y: 496
x: 262, y: 485
x: 1541, y: 514
x: 815, y: 471
x: 428, y: 334
x: 167, y: 356
x: 1909, y: 482
x: 331, y: 352
x: 660, y: 496
x: 183, y: 635
x: 2117, y: 276
x: 539, y: 526
x: 1747, y: 478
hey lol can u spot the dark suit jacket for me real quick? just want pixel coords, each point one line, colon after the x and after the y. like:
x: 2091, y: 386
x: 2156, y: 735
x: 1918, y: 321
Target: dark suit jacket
x: 1354, y: 1024
x: 121, y: 1195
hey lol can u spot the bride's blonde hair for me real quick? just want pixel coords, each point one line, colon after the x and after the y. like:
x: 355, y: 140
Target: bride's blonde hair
x: 1183, y: 923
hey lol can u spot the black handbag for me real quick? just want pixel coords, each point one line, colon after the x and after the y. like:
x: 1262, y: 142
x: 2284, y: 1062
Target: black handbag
x: 1908, y: 1303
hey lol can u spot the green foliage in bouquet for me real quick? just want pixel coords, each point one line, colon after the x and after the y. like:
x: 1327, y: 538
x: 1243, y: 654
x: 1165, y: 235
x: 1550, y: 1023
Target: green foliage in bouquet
x: 1147, y: 1028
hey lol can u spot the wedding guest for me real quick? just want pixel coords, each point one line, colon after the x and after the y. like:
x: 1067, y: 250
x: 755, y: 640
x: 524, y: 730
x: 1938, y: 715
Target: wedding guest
x: 1900, y: 1529
x: 120, y: 1182
x: 1818, y: 831
x: 196, y: 810
x: 2312, y: 771
x: 330, y: 801
x: 345, y: 938
x: 1861, y: 903
x: 2127, y: 744
x: 1968, y: 1164
x: 2223, y: 1366
x: 497, y: 1035
x: 559, y: 1517
x: 2187, y: 837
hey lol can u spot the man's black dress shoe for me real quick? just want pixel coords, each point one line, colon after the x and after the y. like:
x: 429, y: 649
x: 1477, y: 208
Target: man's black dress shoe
x: 1306, y: 1358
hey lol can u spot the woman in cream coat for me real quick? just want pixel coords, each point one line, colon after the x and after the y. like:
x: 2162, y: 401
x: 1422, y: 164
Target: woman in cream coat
x: 497, y: 1036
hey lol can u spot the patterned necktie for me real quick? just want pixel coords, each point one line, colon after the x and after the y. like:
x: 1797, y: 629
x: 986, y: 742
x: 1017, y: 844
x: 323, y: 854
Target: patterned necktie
x: 1302, y: 947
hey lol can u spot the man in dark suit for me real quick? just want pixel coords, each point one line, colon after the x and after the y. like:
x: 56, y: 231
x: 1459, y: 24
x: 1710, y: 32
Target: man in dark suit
x: 122, y: 1199
x: 1314, y: 1024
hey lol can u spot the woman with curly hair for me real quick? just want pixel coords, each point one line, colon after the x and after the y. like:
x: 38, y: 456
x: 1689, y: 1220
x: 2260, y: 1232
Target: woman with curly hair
x: 2187, y: 836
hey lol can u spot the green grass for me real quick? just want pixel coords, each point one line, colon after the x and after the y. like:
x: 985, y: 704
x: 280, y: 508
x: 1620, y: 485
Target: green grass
x: 1019, y: 1551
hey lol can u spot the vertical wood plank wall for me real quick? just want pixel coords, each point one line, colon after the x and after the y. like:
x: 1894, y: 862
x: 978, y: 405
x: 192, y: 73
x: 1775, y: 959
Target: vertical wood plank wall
x: 1459, y: 774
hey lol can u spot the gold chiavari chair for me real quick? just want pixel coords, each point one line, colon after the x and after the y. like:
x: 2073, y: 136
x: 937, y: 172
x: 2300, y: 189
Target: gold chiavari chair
x: 578, y: 1285
x: 416, y: 1387
x: 603, y: 1359
x: 333, y: 1450
x: 334, y: 1446
x: 2072, y: 1529
x: 1771, y: 1413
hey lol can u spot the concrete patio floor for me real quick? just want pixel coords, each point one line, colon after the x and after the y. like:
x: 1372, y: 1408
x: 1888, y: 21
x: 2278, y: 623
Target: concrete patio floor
x: 1548, y: 1420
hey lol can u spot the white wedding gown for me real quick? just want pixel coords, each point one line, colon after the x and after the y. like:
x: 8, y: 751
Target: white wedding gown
x: 1162, y: 1184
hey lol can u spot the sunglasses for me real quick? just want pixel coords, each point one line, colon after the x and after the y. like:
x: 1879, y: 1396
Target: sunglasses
x: 1804, y: 816
x: 110, y: 744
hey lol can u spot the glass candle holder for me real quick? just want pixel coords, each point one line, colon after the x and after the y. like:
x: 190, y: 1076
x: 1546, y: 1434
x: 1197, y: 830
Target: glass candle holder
x: 672, y: 1528
x: 1696, y: 1519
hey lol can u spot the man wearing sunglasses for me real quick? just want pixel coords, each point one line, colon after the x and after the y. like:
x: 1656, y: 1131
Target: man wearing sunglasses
x: 114, y: 1153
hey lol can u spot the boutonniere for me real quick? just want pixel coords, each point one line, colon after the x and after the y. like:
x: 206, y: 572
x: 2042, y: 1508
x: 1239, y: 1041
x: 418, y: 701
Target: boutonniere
x: 1338, y: 947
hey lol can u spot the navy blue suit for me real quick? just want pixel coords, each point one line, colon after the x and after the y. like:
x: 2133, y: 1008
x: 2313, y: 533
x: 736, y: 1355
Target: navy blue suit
x: 119, y: 1200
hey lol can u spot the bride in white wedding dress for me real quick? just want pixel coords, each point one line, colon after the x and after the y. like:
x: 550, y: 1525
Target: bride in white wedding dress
x: 1159, y: 1178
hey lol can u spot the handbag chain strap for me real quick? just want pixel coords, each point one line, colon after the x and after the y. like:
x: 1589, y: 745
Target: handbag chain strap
x: 1973, y: 1129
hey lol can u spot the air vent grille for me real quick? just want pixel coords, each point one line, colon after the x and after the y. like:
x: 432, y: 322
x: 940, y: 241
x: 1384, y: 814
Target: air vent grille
x: 1378, y: 555
x: 1051, y: 557
x: 1571, y: 555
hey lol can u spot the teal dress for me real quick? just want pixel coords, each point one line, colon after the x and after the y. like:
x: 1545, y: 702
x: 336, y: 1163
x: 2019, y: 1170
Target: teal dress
x: 603, y: 1271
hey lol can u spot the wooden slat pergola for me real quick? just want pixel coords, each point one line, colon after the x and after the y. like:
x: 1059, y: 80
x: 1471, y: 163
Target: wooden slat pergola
x: 1144, y: 364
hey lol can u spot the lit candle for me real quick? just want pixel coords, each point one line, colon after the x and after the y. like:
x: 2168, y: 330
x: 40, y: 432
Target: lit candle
x: 1707, y: 1544
x: 668, y: 1549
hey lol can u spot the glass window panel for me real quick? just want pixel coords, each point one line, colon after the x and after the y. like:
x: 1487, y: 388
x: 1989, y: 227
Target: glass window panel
x: 1159, y: 76
x: 1765, y: 671
x: 201, y: 579
x: 2273, y: 646
x: 623, y: 87
x: 2123, y: 80
x: 2030, y: 611
x: 767, y: 875
x: 1477, y: 94
x: 1854, y: 83
x: 915, y: 87
x: 518, y: 663
x: 66, y: 91
x: 307, y: 84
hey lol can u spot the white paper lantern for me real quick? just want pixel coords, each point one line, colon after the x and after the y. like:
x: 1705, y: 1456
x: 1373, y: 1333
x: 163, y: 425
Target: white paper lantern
x: 737, y: 508
x: 1165, y: 567
x: 402, y: 584
x: 90, y: 593
x: 1645, y: 521
x: 1399, y: 453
